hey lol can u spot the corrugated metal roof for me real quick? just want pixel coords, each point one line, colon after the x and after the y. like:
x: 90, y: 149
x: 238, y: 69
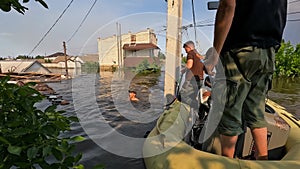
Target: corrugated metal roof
x: 140, y: 46
x: 18, y: 66
x: 60, y: 59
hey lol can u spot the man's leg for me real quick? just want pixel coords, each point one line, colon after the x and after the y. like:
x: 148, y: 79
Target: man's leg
x: 261, y: 145
x: 228, y: 145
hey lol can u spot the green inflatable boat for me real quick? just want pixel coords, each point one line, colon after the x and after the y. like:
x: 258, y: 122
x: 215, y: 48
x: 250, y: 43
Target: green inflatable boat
x: 164, y: 147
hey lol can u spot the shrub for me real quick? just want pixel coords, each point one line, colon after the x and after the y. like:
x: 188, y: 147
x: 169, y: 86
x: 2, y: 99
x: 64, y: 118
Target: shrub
x: 287, y: 60
x: 90, y: 67
x: 146, y: 68
x: 31, y: 138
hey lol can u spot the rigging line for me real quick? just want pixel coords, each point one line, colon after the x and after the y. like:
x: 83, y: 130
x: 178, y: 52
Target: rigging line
x: 194, y: 20
x: 60, y: 16
x: 82, y: 21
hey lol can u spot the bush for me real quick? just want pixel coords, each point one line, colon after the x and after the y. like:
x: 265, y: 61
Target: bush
x: 90, y: 67
x: 31, y: 138
x: 287, y: 60
x: 146, y: 68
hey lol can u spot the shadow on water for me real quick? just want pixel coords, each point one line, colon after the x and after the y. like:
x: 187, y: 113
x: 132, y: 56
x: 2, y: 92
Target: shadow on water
x: 286, y: 92
x: 133, y: 124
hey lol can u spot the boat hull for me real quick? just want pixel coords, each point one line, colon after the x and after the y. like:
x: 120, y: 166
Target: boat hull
x: 164, y: 148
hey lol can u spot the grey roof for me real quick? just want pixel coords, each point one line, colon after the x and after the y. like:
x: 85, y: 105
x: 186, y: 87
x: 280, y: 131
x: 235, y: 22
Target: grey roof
x: 18, y: 66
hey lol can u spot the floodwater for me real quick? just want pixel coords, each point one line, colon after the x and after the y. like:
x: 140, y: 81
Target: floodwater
x: 286, y: 92
x: 114, y: 127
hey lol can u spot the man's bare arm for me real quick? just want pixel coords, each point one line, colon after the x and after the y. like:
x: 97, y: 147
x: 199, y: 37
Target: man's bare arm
x: 224, y: 17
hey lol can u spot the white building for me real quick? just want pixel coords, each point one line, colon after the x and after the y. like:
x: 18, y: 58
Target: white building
x: 57, y: 64
x: 128, y: 50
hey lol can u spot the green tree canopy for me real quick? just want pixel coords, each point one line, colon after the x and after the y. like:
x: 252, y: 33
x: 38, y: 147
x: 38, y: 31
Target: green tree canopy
x: 7, y: 5
x: 287, y: 60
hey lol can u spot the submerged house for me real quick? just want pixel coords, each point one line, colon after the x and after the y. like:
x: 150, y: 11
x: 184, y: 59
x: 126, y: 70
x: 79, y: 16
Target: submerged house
x: 128, y: 50
x: 57, y: 63
x: 23, y: 66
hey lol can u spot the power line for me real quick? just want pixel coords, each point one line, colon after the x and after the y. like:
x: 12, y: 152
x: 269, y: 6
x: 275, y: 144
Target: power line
x: 209, y: 20
x: 291, y: 13
x: 294, y: 1
x: 50, y: 28
x: 293, y: 20
x: 204, y: 25
x: 82, y: 21
x: 194, y: 20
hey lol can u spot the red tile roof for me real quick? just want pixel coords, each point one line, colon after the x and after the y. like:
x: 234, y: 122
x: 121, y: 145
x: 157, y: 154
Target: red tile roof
x: 140, y: 46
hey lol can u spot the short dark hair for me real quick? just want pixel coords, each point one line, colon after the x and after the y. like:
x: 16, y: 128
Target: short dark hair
x: 189, y: 44
x: 131, y: 91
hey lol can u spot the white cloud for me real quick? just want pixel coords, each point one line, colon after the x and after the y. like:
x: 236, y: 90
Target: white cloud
x: 5, y: 34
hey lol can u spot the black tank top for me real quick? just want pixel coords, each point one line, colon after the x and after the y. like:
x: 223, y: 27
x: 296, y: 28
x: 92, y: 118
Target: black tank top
x: 257, y: 23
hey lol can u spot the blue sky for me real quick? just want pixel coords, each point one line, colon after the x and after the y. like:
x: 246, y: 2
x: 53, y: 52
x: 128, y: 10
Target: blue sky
x: 19, y: 34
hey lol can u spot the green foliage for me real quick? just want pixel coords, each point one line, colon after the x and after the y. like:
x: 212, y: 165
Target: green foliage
x: 24, y: 57
x: 39, y: 57
x: 6, y: 5
x: 145, y: 67
x: 90, y: 67
x: 287, y: 60
x: 184, y: 60
x: 47, y: 61
x: 31, y: 138
x: 161, y: 55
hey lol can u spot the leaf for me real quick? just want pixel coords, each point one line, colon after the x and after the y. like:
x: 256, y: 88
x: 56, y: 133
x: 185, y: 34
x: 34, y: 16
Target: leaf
x: 57, y: 154
x: 80, y: 166
x: 2, y: 139
x: 46, y: 151
x: 50, y: 108
x: 100, y: 166
x: 20, y: 131
x: 77, y: 139
x: 78, y: 157
x: 44, y: 164
x: 64, y: 145
x: 73, y: 118
x: 14, y: 150
x: 48, y: 130
x: 42, y: 3
x: 61, y: 125
x: 32, y: 152
x: 69, y: 161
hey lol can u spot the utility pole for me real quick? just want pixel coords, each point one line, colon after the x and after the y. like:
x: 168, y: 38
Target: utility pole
x: 173, y: 46
x: 66, y: 59
x: 194, y: 22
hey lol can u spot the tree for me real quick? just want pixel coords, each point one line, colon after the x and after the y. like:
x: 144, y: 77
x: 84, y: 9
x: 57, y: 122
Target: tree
x: 6, y: 5
x: 287, y: 60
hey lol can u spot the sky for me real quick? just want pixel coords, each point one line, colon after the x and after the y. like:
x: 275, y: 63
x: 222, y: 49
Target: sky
x: 27, y: 34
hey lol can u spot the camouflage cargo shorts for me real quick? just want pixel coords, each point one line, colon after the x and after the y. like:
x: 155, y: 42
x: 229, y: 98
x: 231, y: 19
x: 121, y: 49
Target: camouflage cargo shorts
x: 248, y: 73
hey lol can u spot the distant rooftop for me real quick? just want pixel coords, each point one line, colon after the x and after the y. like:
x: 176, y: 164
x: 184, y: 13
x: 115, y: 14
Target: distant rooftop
x: 140, y: 46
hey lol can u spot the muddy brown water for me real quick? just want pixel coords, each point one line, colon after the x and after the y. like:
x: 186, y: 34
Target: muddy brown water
x: 103, y: 92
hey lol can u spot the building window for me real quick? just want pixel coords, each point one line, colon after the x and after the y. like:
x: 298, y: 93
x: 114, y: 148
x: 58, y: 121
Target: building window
x: 133, y: 39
